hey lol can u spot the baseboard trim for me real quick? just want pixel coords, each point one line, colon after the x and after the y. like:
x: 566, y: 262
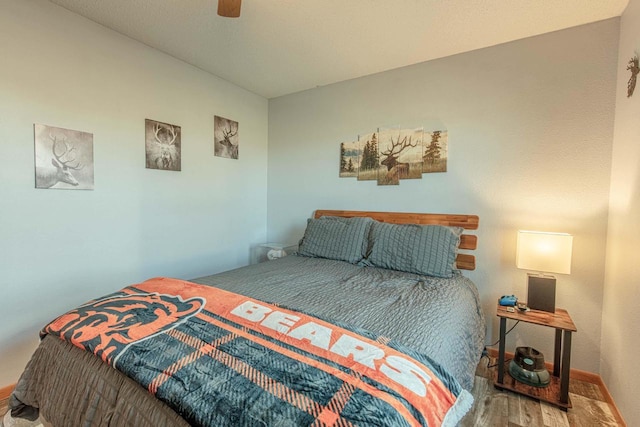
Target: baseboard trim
x: 609, y: 399
x: 5, y: 392
x: 579, y: 375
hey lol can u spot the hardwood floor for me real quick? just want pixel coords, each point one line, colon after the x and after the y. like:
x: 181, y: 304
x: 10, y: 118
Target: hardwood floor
x: 500, y: 408
x: 4, y: 404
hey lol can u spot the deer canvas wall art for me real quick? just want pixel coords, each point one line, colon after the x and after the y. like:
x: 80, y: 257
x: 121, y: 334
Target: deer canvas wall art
x: 389, y: 155
x: 369, y: 157
x: 163, y: 146
x: 400, y: 155
x: 225, y: 139
x: 634, y: 67
x: 63, y: 158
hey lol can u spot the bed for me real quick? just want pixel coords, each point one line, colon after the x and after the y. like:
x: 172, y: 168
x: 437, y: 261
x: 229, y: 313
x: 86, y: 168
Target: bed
x: 347, y: 275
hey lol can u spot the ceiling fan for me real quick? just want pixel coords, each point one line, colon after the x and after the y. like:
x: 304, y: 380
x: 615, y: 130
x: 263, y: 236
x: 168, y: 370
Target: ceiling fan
x: 229, y: 8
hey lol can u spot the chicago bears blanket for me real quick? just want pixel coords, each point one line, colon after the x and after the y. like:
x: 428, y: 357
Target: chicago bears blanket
x: 223, y: 359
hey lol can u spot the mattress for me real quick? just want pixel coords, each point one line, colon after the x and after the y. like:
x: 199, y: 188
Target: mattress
x: 438, y: 317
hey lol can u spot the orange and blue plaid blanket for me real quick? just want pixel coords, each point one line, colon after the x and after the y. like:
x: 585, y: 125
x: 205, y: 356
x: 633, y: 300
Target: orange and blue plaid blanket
x: 223, y: 359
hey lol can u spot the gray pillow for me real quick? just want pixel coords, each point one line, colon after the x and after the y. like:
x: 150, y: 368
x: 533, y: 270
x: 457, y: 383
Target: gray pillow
x: 422, y: 249
x: 331, y: 237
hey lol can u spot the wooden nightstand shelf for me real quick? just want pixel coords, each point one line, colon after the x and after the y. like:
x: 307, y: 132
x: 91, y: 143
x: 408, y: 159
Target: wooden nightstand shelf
x: 557, y: 392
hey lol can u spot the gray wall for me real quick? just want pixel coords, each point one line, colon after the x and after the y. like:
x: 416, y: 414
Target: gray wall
x: 60, y: 248
x: 620, y: 316
x: 530, y: 128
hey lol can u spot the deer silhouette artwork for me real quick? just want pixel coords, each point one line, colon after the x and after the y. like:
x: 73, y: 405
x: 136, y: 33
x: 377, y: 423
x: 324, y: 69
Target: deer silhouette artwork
x: 63, y: 157
x: 165, y: 142
x: 229, y: 146
x: 394, y: 167
x: 634, y: 67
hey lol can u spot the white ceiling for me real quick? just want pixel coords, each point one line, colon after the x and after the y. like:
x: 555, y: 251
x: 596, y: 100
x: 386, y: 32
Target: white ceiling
x: 278, y: 47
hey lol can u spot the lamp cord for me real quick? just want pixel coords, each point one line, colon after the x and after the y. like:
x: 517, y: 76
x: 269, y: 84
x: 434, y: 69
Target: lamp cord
x: 485, y: 354
x: 507, y: 333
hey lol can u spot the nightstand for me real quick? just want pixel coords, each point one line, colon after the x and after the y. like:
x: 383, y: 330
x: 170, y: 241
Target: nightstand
x: 557, y: 392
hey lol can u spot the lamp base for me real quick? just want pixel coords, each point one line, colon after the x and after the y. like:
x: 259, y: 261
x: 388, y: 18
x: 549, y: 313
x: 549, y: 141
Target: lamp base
x: 541, y: 293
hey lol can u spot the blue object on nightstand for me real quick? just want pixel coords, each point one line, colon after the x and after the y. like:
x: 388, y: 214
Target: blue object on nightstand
x: 508, y: 300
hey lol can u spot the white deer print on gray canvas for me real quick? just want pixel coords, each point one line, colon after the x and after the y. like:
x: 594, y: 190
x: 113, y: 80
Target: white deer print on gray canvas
x: 64, y: 158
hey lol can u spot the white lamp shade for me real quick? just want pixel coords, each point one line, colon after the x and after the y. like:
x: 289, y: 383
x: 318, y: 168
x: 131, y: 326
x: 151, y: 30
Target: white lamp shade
x: 544, y: 252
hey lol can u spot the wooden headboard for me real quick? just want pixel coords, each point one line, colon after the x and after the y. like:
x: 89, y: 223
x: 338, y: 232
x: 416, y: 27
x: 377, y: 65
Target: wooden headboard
x: 468, y: 242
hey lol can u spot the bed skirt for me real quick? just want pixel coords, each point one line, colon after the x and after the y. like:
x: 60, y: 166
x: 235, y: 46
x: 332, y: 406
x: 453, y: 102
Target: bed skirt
x: 60, y: 375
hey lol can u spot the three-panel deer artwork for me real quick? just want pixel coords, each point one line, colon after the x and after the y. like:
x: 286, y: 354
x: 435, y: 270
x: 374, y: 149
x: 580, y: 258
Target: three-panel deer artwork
x: 64, y: 158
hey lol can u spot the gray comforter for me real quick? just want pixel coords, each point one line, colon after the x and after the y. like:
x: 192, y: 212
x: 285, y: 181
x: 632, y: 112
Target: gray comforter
x: 438, y: 317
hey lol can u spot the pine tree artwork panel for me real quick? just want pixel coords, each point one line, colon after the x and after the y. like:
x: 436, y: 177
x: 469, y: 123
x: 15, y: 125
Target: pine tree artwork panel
x: 369, y: 157
x: 436, y: 144
x: 349, y: 159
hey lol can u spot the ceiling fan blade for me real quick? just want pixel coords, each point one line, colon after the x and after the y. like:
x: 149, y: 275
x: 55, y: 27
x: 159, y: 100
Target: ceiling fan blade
x: 229, y: 8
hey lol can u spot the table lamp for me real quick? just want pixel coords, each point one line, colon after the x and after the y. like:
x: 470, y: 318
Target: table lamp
x: 545, y: 253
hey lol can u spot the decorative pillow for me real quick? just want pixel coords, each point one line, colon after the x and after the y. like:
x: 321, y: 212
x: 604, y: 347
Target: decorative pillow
x: 422, y: 249
x: 331, y: 237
